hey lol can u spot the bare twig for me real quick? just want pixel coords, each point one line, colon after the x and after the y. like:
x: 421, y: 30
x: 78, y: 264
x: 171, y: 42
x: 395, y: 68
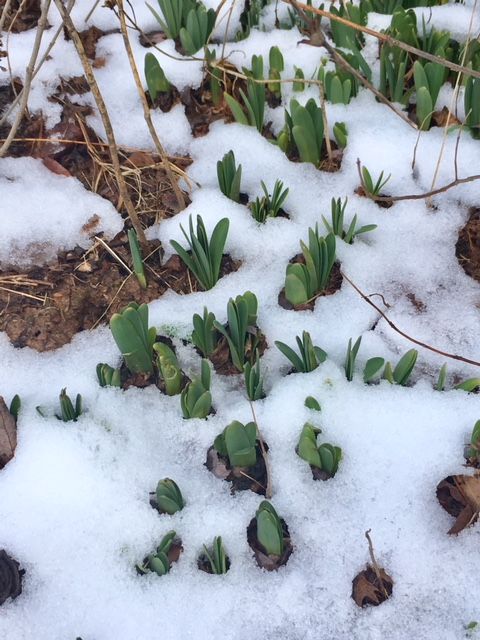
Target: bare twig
x: 405, y: 335
x: 42, y: 24
x: 415, y: 196
x: 146, y: 110
x: 375, y: 566
x: 112, y: 145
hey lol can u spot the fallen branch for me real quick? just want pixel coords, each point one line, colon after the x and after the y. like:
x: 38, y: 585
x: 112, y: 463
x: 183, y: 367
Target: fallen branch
x: 413, y: 196
x: 405, y: 335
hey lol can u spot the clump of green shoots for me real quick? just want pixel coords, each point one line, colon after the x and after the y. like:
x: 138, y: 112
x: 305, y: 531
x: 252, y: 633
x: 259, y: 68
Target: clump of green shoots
x: 156, y: 80
x: 269, y: 206
x: 108, y: 376
x: 370, y: 187
x: 277, y: 65
x: 205, y: 336
x: 68, y: 411
x: 352, y: 352
x: 336, y: 225
x: 216, y: 557
x: 253, y: 379
x: 238, y: 443
x: 196, y: 399
x: 269, y: 529
x: 472, y: 452
x: 240, y: 333
x: 134, y: 338
x: 398, y: 375
x: 325, y: 457
x: 309, y: 357
x: 137, y: 258
x: 252, y: 113
x: 159, y: 562
x: 470, y: 385
x: 229, y: 176
x: 304, y: 282
x: 204, y: 257
x: 169, y: 368
x: 168, y: 496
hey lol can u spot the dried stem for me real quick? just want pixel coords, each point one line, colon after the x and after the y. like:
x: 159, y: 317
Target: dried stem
x: 416, y: 196
x: 146, y: 109
x: 42, y: 24
x: 112, y: 145
x: 375, y: 566
x: 405, y: 335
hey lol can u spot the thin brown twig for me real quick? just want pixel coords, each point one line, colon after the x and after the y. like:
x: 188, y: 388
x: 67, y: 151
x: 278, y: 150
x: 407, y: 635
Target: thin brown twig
x: 414, y: 196
x: 375, y: 566
x: 146, y: 110
x: 112, y: 145
x: 405, y: 335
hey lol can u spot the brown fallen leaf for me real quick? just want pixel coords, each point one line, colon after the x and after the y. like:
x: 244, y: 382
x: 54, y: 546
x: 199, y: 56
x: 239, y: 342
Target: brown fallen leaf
x: 460, y: 497
x: 8, y: 434
x: 442, y: 117
x: 55, y: 167
x: 367, y: 590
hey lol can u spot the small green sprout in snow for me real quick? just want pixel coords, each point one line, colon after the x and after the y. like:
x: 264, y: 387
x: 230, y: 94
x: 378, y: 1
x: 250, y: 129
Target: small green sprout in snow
x: 204, y: 257
x: 309, y: 356
x: 238, y: 443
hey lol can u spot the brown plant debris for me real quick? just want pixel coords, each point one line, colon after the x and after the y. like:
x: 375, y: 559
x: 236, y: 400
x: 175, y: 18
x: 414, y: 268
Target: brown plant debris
x: 10, y: 577
x: 22, y: 15
x: 8, y: 434
x: 368, y: 589
x: 467, y: 248
x: 460, y: 497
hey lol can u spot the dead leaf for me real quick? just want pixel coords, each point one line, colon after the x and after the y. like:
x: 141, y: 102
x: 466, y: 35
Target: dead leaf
x: 367, y: 590
x: 441, y: 117
x: 91, y: 224
x: 55, y: 167
x: 460, y: 497
x: 8, y: 434
x: 141, y: 159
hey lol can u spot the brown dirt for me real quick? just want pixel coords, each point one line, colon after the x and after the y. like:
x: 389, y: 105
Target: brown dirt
x: 467, y: 248
x: 81, y: 290
x: 334, y: 285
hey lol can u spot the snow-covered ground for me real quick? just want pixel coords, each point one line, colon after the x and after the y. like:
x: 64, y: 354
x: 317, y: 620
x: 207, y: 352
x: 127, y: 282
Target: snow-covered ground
x: 74, y: 504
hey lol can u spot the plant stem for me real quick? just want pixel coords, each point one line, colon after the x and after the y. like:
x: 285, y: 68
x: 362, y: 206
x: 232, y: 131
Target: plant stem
x: 146, y: 109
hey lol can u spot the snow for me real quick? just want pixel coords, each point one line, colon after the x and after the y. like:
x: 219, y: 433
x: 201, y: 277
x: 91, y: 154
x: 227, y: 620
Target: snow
x: 74, y: 503
x: 42, y: 213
